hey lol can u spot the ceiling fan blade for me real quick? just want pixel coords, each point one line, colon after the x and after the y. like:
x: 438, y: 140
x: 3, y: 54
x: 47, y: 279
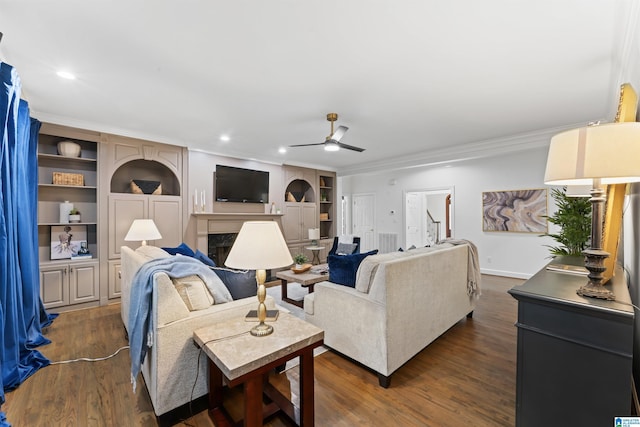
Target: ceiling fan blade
x: 306, y: 145
x: 339, y: 133
x: 350, y: 147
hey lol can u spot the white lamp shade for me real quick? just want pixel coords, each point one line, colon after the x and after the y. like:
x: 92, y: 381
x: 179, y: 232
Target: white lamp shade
x: 314, y: 233
x: 142, y: 229
x: 259, y: 246
x: 610, y: 152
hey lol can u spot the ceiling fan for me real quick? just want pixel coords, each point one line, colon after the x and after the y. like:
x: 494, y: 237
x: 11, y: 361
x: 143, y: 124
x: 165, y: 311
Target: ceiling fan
x: 332, y: 142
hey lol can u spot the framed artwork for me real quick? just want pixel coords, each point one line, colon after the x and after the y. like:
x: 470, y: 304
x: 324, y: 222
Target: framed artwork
x: 521, y: 211
x: 66, y: 240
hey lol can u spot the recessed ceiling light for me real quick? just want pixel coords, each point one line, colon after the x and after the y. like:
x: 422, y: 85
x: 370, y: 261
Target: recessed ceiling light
x: 66, y: 75
x: 225, y: 138
x: 282, y: 150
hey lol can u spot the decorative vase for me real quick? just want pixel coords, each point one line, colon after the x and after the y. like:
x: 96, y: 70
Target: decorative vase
x: 65, y: 208
x: 69, y: 149
x: 74, y: 218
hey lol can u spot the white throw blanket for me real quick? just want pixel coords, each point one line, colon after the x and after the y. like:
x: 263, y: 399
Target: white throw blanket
x: 473, y: 267
x: 142, y: 285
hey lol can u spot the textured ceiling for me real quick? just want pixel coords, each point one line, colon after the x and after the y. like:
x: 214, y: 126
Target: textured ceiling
x: 415, y: 81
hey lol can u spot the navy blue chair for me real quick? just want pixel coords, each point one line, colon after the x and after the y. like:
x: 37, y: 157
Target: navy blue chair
x: 356, y: 241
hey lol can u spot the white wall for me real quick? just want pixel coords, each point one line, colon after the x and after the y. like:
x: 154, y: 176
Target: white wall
x: 202, y: 166
x: 506, y: 254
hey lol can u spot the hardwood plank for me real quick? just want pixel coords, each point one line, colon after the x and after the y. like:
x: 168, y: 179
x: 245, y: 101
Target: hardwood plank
x: 465, y: 377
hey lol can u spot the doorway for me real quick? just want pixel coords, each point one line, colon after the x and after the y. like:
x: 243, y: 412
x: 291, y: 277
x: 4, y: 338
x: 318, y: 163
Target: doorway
x: 364, y: 220
x: 428, y: 216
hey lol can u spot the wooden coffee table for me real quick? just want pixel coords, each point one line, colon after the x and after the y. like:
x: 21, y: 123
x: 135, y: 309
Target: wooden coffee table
x: 307, y: 280
x: 244, y: 359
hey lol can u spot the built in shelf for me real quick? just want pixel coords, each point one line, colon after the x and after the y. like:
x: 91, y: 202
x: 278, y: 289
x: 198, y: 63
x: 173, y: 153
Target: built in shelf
x: 58, y: 158
x: 66, y: 223
x: 85, y: 187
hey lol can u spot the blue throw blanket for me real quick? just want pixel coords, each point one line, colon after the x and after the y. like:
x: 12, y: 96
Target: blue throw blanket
x: 140, y: 335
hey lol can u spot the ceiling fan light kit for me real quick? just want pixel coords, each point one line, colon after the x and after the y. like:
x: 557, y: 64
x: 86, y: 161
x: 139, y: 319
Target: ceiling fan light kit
x: 332, y: 142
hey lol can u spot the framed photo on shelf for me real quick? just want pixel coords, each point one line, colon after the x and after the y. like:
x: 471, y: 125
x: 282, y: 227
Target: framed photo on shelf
x: 66, y: 240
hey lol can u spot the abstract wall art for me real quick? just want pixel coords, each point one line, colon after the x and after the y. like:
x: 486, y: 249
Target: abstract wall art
x: 521, y: 211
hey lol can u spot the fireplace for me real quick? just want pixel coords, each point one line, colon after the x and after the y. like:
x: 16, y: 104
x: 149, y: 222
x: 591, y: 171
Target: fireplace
x: 219, y: 245
x: 216, y: 232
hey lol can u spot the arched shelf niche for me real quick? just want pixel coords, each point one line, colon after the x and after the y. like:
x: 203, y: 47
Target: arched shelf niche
x: 301, y: 190
x: 148, y: 170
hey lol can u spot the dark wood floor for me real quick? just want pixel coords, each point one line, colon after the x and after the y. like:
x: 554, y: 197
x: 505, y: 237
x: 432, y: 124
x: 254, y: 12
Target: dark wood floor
x: 466, y: 377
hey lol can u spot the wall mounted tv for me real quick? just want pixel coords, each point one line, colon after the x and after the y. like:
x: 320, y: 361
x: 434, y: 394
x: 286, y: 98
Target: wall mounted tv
x: 241, y: 185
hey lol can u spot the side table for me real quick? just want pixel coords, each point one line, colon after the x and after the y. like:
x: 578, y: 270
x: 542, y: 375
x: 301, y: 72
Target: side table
x: 241, y: 358
x: 315, y: 250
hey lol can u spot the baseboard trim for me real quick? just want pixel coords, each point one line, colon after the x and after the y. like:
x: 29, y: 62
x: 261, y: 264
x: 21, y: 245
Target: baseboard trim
x: 503, y: 273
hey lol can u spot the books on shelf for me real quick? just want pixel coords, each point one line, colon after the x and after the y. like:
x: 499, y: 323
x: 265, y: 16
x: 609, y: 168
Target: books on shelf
x: 569, y: 269
x: 82, y: 256
x: 252, y: 315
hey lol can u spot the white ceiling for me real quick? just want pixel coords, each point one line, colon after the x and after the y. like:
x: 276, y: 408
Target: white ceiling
x: 415, y: 81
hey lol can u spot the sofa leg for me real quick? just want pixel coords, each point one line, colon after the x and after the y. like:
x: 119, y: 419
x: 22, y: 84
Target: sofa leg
x: 384, y: 381
x: 470, y: 315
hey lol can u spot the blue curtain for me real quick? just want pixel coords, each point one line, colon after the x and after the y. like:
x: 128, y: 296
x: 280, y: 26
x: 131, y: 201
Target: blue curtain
x: 22, y: 314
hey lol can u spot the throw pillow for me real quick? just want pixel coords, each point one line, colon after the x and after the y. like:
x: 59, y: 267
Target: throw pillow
x: 182, y: 249
x: 194, y: 292
x: 241, y: 283
x: 343, y: 268
x: 200, y: 256
x: 346, y: 248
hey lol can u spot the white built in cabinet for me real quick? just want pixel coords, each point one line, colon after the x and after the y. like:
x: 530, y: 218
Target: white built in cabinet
x: 67, y: 282
x: 314, y: 207
x: 129, y: 159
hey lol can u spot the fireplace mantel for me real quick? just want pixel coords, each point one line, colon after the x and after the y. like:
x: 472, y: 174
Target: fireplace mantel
x: 217, y: 223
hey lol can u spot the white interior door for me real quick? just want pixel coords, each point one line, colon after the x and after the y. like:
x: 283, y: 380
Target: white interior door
x: 364, y: 220
x: 414, y: 217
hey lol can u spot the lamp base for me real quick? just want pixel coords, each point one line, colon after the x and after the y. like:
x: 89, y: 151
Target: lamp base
x: 596, y: 291
x: 594, y: 262
x: 261, y: 329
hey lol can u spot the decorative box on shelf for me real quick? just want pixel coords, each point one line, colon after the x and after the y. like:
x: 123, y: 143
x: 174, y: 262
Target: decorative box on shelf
x: 324, y: 216
x: 64, y: 178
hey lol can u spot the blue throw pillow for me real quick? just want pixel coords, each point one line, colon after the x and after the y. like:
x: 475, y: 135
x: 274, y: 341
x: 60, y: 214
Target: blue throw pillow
x: 183, y: 249
x: 343, y: 268
x: 241, y: 283
x: 200, y: 256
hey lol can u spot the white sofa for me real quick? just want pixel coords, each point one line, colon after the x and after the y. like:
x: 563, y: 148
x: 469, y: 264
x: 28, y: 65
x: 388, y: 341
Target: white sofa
x: 402, y: 301
x: 169, y: 369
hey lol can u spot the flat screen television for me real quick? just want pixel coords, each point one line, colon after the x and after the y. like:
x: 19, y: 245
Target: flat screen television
x: 241, y: 185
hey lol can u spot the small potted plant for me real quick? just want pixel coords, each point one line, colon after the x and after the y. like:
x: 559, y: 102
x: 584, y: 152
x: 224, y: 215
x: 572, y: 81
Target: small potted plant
x: 74, y: 215
x: 299, y: 260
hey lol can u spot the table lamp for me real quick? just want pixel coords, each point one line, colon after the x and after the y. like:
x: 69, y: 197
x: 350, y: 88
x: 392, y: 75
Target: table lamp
x: 595, y: 155
x: 142, y: 230
x: 314, y: 235
x: 259, y: 246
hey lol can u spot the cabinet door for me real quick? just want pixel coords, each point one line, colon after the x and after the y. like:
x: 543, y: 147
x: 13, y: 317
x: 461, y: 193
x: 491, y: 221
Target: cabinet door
x: 309, y: 219
x: 166, y: 212
x: 83, y: 282
x: 123, y: 209
x: 115, y: 288
x: 291, y: 225
x: 54, y: 286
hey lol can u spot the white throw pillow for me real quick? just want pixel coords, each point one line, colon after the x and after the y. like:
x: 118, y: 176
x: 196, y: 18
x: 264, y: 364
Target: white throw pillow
x: 194, y: 293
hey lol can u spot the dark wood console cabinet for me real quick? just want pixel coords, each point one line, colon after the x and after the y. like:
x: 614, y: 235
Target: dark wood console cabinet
x: 574, y: 353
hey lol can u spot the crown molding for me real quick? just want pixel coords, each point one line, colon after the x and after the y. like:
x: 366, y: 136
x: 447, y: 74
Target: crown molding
x: 476, y: 150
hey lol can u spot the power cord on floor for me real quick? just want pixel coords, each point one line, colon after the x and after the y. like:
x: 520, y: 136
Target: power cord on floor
x: 86, y: 359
